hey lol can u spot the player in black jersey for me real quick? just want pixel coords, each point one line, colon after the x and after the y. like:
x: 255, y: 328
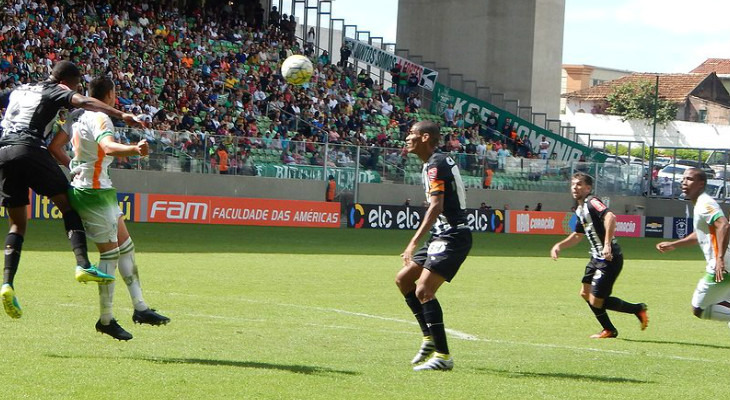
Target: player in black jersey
x: 598, y: 224
x: 425, y: 270
x: 25, y: 163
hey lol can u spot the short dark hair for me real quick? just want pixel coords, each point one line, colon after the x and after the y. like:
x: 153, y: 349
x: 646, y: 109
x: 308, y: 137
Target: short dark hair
x: 700, y: 174
x: 429, y: 127
x: 64, y: 70
x: 100, y: 86
x: 583, y: 177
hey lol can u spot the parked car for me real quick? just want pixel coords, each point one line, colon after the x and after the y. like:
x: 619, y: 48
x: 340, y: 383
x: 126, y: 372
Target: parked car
x: 673, y: 172
x: 717, y: 188
x: 696, y: 164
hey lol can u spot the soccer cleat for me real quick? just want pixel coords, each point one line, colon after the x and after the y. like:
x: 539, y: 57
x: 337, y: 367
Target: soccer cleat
x: 10, y: 302
x: 643, y: 316
x: 150, y: 317
x: 426, y: 350
x: 438, y: 362
x: 113, y: 330
x: 605, y: 334
x: 92, y: 274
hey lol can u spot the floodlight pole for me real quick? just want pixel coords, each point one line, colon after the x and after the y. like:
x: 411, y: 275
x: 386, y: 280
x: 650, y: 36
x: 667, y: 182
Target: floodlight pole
x: 653, y: 136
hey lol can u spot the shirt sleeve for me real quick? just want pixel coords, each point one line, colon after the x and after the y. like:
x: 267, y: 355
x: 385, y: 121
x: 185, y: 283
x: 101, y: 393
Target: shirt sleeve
x: 597, y: 208
x: 103, y: 127
x: 438, y: 176
x: 60, y: 95
x: 709, y: 210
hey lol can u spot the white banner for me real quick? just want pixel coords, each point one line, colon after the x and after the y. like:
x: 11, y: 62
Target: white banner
x: 384, y: 60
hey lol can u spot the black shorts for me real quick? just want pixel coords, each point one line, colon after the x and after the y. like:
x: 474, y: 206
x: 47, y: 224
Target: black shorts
x: 23, y: 167
x: 445, y: 253
x: 602, y: 274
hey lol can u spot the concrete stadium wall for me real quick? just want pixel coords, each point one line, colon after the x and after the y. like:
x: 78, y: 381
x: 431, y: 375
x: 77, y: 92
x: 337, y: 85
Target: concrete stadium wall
x: 369, y: 193
x: 216, y: 185
x: 513, y: 47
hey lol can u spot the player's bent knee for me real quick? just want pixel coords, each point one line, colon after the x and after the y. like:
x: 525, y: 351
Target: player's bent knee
x: 424, y: 295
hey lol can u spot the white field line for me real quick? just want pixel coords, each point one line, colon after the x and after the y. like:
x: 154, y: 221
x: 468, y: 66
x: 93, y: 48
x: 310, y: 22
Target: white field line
x: 454, y: 333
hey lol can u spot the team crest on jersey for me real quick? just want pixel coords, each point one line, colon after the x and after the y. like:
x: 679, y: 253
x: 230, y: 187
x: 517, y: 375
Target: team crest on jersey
x: 432, y: 173
x: 597, y: 204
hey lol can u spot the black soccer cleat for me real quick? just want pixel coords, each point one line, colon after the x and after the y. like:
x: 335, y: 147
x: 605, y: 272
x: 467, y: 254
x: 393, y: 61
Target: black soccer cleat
x: 113, y: 330
x: 150, y: 317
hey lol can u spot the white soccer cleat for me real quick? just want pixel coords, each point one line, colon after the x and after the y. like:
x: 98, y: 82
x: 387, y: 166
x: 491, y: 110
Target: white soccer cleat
x: 438, y: 362
x: 426, y: 350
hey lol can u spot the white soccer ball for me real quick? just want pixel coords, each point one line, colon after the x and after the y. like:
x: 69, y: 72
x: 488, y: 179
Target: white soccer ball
x: 297, y: 69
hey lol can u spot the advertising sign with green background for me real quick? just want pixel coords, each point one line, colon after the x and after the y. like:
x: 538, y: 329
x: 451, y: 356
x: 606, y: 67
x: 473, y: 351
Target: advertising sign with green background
x: 477, y: 111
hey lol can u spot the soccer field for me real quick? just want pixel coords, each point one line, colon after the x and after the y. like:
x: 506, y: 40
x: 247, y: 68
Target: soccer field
x: 277, y: 313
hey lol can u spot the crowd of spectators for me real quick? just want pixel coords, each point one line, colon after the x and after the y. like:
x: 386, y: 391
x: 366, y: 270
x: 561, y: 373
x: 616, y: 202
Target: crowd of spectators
x: 203, y: 77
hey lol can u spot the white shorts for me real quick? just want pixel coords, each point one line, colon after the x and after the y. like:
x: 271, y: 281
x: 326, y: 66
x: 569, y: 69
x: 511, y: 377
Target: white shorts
x: 99, y: 211
x: 709, y: 292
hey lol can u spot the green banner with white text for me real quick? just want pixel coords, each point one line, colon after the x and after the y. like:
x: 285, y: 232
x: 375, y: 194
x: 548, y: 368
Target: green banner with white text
x: 477, y: 111
x: 344, y: 177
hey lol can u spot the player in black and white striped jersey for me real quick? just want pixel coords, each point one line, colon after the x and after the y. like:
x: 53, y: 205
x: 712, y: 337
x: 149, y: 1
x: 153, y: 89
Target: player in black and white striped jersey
x: 598, y: 224
x: 438, y: 260
x: 25, y: 163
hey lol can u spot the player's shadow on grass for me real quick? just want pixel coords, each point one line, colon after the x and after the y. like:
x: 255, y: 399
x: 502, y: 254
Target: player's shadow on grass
x: 561, y: 375
x: 299, y: 369
x: 710, y: 346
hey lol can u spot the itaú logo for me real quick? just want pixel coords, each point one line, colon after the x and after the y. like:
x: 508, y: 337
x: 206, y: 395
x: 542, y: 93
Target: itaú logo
x: 179, y: 210
x: 356, y: 216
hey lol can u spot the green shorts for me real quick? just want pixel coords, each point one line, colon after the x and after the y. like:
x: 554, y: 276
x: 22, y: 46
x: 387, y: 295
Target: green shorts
x: 99, y: 210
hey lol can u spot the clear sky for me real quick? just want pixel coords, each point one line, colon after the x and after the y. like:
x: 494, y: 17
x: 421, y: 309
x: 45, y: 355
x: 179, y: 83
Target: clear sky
x: 636, y: 35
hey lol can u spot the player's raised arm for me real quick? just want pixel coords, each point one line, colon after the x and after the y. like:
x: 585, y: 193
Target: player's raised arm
x: 92, y: 104
x: 112, y: 148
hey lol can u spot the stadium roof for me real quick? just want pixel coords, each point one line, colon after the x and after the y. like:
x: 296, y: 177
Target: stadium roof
x: 720, y: 66
x: 672, y: 87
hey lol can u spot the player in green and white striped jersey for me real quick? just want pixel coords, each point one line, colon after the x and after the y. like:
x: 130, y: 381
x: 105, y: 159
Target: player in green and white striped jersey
x: 95, y: 199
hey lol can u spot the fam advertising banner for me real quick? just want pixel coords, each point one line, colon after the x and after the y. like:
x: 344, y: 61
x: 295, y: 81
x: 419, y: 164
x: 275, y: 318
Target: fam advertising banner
x: 384, y: 60
x: 475, y: 111
x: 42, y: 207
x: 236, y: 211
x: 628, y: 225
x: 540, y: 222
x: 375, y: 216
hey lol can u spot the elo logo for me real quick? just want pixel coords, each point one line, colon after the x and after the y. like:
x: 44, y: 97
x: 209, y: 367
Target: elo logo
x: 356, y: 216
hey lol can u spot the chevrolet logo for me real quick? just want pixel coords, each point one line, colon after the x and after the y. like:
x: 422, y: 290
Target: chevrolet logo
x: 654, y: 225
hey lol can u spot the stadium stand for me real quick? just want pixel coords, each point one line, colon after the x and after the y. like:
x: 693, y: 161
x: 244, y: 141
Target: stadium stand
x: 206, y: 78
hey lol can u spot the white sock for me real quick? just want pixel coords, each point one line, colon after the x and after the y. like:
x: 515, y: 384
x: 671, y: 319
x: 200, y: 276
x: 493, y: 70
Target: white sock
x: 128, y: 270
x: 717, y: 312
x: 107, y: 264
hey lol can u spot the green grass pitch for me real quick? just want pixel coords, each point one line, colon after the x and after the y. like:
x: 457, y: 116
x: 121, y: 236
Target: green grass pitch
x: 277, y: 313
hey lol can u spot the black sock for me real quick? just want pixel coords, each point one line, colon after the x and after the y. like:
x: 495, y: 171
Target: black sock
x: 434, y: 318
x: 77, y: 237
x: 417, y: 310
x: 602, y: 318
x: 616, y: 304
x: 13, y: 247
